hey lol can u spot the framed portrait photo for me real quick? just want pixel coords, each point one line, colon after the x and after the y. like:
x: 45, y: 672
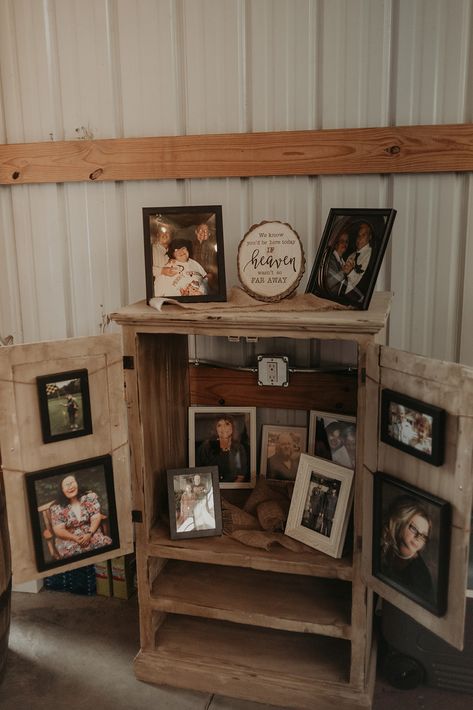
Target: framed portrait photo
x: 73, y: 511
x: 281, y: 448
x: 413, y: 426
x: 194, y: 502
x: 321, y: 505
x: 333, y: 437
x: 350, y: 254
x: 225, y: 437
x: 64, y: 405
x: 184, y: 257
x: 411, y: 542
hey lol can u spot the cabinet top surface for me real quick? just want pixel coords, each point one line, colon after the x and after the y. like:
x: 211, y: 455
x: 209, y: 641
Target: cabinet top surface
x: 221, y: 318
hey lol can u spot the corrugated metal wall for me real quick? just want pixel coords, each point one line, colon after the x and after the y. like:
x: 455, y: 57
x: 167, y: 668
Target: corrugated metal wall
x: 111, y: 68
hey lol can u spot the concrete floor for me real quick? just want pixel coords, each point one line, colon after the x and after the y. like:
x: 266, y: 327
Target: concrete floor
x: 69, y: 652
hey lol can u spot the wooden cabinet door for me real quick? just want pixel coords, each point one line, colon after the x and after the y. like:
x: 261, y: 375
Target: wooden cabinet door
x: 448, y: 386
x: 24, y: 450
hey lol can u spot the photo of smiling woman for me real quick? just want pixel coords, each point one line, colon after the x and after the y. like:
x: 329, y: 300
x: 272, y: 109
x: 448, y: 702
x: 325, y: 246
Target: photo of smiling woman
x: 411, y: 543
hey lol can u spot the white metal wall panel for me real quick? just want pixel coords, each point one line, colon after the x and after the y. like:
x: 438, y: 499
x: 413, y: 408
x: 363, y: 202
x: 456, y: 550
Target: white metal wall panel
x: 110, y: 68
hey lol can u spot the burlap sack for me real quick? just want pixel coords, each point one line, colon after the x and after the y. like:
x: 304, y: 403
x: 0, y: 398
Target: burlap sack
x: 266, y: 540
x: 263, y: 492
x: 234, y: 518
x: 272, y: 514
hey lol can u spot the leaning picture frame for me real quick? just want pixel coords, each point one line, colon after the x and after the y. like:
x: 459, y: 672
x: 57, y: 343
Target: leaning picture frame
x: 332, y: 437
x: 79, y: 499
x: 64, y: 405
x: 412, y: 426
x: 411, y: 542
x: 350, y: 254
x: 194, y: 502
x: 225, y: 437
x: 321, y: 505
x: 281, y: 448
x: 184, y: 254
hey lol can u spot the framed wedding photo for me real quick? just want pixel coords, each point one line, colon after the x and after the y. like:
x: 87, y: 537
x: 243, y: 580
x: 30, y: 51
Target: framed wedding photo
x: 184, y: 257
x: 225, y: 437
x: 194, y: 502
x: 321, y: 505
x: 76, y: 499
x: 413, y: 426
x: 333, y: 437
x: 281, y: 448
x: 64, y: 405
x: 411, y: 542
x: 350, y: 255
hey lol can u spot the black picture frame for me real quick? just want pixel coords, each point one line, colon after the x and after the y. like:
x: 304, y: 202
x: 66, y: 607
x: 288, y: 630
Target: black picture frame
x: 337, y: 250
x: 406, y: 423
x: 49, y: 510
x: 199, y: 229
x: 64, y: 405
x: 400, y: 509
x: 194, y: 502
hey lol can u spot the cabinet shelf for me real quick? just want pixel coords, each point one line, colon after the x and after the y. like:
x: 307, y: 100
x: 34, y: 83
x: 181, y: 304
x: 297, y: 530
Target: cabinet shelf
x: 250, y: 662
x: 287, y: 602
x: 225, y: 551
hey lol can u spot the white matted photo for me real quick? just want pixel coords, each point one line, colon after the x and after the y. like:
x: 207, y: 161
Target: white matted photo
x: 333, y: 437
x: 225, y: 437
x: 321, y: 505
x: 281, y: 448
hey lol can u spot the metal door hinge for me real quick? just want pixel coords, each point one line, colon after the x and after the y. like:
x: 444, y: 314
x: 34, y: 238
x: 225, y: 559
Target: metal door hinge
x: 128, y: 362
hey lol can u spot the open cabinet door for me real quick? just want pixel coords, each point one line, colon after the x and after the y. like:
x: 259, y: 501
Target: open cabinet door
x: 42, y: 441
x: 426, y: 575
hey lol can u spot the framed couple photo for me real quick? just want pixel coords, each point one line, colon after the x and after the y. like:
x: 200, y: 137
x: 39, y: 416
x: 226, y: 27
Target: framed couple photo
x: 184, y: 257
x: 350, y: 255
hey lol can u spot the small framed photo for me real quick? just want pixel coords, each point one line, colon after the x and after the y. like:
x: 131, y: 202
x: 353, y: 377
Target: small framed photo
x: 73, y: 512
x: 333, y: 437
x: 413, y: 426
x: 281, y: 448
x: 184, y: 257
x: 411, y: 542
x: 350, y: 254
x: 321, y: 505
x: 194, y: 502
x: 64, y: 405
x: 225, y: 437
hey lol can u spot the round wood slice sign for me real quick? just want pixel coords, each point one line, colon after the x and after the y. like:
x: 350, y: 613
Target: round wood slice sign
x: 271, y: 261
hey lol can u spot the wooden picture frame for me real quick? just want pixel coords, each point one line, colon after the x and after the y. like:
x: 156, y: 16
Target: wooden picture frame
x: 412, y: 426
x: 184, y: 256
x: 350, y: 254
x: 281, y: 447
x: 333, y: 437
x: 64, y: 405
x: 411, y: 542
x: 89, y: 485
x: 321, y: 505
x: 234, y: 453
x: 194, y: 502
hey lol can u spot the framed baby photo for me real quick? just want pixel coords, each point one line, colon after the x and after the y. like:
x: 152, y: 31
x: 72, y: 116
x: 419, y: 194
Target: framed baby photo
x: 333, y: 437
x: 73, y: 511
x: 413, y: 426
x: 411, y: 542
x: 281, y: 448
x: 225, y: 437
x: 350, y: 254
x: 64, y: 405
x: 184, y: 257
x: 194, y: 502
x: 321, y: 505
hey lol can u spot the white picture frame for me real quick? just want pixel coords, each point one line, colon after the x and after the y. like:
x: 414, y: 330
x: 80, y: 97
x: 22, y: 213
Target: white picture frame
x: 341, y: 448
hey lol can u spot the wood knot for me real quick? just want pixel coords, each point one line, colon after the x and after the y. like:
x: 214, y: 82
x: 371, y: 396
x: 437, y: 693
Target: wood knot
x: 15, y: 175
x: 96, y: 174
x: 393, y: 149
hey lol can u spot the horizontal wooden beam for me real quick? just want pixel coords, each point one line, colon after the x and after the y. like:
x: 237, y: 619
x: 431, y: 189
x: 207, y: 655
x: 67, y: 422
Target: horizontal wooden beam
x: 401, y: 149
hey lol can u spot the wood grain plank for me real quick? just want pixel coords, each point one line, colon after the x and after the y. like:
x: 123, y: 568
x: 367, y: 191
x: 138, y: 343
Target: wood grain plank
x: 400, y: 149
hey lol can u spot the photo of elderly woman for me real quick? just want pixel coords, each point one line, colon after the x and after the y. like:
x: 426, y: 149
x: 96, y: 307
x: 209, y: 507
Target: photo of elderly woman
x: 410, y: 543
x: 73, y: 511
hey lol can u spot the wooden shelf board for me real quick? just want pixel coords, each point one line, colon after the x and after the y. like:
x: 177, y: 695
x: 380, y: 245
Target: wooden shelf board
x: 223, y: 320
x: 289, y: 602
x: 225, y: 551
x: 292, y: 670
